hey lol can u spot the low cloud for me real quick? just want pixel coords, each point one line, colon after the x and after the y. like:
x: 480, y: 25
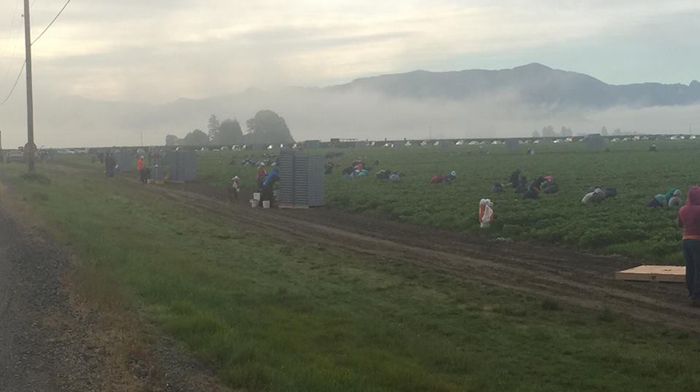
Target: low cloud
x: 320, y: 114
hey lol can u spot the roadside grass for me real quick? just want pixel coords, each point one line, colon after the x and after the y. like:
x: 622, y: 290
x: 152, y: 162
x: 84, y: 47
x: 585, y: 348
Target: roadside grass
x: 269, y: 314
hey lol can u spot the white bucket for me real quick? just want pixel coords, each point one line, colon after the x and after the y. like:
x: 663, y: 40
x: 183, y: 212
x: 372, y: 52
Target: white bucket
x: 266, y: 204
x: 254, y: 203
x: 256, y: 196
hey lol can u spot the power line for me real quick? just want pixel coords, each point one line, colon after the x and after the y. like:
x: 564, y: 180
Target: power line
x: 19, y: 75
x: 52, y: 22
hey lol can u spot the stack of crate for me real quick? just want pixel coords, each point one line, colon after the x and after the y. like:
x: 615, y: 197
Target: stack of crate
x: 183, y: 166
x: 301, y: 183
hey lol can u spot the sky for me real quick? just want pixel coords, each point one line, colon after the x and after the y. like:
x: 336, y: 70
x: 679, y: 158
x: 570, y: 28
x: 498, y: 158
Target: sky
x: 160, y: 50
x: 156, y: 51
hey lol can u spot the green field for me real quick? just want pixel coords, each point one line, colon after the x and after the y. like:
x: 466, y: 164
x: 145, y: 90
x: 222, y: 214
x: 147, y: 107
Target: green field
x: 622, y: 225
x: 270, y: 314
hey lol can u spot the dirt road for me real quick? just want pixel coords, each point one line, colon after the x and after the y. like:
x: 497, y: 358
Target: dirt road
x: 49, y: 342
x: 42, y: 341
x: 547, y: 272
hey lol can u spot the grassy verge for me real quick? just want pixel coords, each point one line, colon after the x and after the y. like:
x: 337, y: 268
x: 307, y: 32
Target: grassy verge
x: 272, y: 315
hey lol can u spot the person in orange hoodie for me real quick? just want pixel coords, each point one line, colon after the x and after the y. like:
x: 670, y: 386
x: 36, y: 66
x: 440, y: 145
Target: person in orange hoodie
x: 689, y: 221
x: 140, y: 166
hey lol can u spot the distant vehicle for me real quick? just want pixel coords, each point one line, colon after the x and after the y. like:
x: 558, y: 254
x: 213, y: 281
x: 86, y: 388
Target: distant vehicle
x: 204, y: 149
x: 424, y: 143
x: 557, y: 141
x: 389, y: 145
x: 536, y: 142
x: 692, y: 137
x: 473, y: 143
x: 66, y: 152
x: 436, y: 144
x: 270, y: 147
x: 372, y: 144
x: 408, y: 144
x: 495, y: 142
x: 224, y: 148
x: 459, y: 143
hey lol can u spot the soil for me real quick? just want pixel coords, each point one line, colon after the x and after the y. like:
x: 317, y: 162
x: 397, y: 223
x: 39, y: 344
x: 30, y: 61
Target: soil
x: 560, y: 274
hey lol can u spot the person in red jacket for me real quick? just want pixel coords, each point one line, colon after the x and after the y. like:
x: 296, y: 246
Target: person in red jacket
x: 689, y: 221
x: 140, y: 166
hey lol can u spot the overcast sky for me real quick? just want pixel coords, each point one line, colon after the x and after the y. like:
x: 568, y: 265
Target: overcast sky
x: 160, y: 50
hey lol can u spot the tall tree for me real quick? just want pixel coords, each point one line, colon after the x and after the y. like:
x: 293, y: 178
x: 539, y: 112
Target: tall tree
x: 171, y: 140
x: 548, y: 131
x: 214, y: 126
x: 196, y: 138
x: 229, y: 133
x: 268, y: 127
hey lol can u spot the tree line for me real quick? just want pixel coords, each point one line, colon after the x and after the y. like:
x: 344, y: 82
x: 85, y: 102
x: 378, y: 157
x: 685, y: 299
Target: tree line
x: 267, y: 127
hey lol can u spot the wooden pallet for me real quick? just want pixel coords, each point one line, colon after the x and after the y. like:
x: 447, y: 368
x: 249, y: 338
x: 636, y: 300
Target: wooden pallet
x: 653, y: 273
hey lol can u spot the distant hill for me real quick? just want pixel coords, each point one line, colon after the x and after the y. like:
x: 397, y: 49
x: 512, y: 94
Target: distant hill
x: 533, y: 84
x: 476, y: 103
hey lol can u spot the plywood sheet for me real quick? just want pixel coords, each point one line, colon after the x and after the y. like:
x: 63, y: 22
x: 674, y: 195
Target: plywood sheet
x: 653, y: 273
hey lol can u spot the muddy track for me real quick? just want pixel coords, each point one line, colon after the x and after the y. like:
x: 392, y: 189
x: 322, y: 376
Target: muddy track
x: 570, y: 277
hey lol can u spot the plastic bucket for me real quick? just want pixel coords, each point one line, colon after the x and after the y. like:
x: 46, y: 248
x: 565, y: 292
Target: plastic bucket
x: 254, y: 203
x: 256, y: 196
x: 266, y: 204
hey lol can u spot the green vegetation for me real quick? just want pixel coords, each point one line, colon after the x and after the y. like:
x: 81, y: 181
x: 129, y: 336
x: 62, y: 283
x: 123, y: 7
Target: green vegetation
x: 621, y: 225
x: 269, y: 314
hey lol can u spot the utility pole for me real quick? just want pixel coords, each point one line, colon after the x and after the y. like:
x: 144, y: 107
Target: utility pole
x: 30, y: 147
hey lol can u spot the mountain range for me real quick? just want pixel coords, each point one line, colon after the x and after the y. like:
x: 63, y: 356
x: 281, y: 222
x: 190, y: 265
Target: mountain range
x: 419, y: 104
x: 534, y: 84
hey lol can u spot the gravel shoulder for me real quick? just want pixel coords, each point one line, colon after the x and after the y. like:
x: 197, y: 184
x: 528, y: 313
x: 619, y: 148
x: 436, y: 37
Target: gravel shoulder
x: 52, y: 338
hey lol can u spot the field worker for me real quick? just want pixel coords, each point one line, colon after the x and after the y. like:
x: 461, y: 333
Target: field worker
x: 675, y: 200
x: 261, y: 175
x: 268, y: 187
x: 596, y: 196
x: 522, y: 187
x: 689, y: 221
x: 485, y: 213
x: 670, y: 194
x: 437, y: 179
x: 658, y: 201
x: 514, y: 179
x: 531, y: 193
x: 110, y: 165
x: 234, y: 189
x: 140, y: 165
x: 394, y: 176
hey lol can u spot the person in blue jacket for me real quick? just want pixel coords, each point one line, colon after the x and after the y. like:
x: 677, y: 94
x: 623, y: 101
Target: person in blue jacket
x: 268, y: 184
